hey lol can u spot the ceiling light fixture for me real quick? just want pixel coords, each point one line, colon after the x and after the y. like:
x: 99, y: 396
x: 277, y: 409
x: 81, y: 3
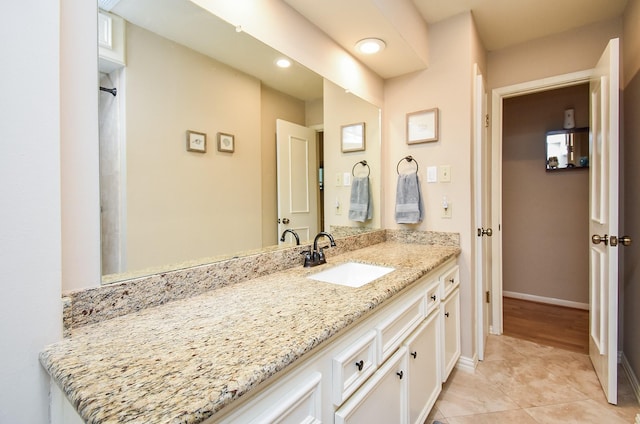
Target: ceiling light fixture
x: 283, y: 63
x: 370, y: 45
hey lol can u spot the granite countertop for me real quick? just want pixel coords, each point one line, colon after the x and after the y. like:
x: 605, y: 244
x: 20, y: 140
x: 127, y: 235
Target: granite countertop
x: 184, y: 361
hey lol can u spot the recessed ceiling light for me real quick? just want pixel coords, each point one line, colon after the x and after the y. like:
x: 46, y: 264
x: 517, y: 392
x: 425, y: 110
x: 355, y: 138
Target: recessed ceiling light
x: 370, y: 45
x: 283, y: 63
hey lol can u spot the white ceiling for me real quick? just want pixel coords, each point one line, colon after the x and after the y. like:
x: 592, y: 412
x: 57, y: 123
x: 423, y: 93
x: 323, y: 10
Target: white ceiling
x: 500, y: 23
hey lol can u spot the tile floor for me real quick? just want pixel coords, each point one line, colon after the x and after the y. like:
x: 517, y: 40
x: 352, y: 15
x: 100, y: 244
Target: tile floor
x: 526, y: 383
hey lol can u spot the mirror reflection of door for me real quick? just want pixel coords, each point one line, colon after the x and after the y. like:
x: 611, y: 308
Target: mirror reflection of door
x: 297, y: 180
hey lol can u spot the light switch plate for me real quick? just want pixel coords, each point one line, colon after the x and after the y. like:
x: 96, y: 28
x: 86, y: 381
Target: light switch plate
x: 346, y: 179
x: 432, y: 174
x: 445, y: 173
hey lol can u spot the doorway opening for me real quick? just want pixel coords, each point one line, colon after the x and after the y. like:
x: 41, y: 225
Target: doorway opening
x: 544, y: 217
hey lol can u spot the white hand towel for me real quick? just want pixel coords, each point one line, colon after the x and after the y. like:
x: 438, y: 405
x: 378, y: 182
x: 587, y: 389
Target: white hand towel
x: 409, y: 209
x: 360, y: 208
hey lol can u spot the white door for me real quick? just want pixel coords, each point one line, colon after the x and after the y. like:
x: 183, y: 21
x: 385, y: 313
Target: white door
x: 297, y: 179
x: 603, y: 220
x: 481, y: 216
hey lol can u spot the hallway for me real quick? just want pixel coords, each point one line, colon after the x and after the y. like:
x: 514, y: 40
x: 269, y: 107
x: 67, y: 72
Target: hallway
x: 527, y: 383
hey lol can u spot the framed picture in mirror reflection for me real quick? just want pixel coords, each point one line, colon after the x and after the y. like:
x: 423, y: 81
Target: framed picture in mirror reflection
x: 226, y: 142
x: 196, y: 142
x: 352, y: 137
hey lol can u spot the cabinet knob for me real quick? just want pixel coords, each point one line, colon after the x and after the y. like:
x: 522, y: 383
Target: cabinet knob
x: 360, y: 364
x: 433, y: 297
x: 414, y: 354
x: 446, y: 314
x: 400, y: 374
x: 452, y: 280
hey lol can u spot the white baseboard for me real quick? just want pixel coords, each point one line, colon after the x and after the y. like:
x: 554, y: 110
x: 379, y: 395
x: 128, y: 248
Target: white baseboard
x: 633, y: 380
x: 548, y: 300
x: 467, y: 364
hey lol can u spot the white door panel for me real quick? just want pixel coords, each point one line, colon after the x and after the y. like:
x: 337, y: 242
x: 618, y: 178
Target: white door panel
x: 297, y: 179
x: 481, y: 216
x: 603, y: 222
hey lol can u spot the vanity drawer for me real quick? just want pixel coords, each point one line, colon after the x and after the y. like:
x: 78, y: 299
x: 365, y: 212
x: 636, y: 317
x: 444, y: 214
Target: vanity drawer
x: 353, y: 366
x: 433, y: 296
x: 393, y: 330
x: 449, y: 281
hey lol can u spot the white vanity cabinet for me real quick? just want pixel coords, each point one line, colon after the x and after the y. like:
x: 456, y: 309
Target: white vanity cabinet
x: 423, y: 368
x: 450, y: 317
x: 387, y: 368
x: 382, y: 398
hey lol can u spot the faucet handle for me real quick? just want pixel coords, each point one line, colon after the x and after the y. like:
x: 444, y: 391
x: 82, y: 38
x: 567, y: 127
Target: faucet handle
x: 307, y: 257
x: 321, y: 258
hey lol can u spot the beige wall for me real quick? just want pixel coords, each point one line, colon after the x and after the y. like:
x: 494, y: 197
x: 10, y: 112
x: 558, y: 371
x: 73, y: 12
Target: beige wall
x: 274, y: 105
x: 545, y: 214
x: 447, y: 85
x: 30, y: 184
x: 183, y: 205
x: 564, y: 53
x: 340, y: 109
x: 631, y: 177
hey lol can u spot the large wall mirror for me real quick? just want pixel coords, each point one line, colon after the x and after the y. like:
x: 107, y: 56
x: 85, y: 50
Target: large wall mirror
x: 164, y: 206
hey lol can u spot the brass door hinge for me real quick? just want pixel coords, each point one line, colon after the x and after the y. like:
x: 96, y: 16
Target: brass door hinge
x: 488, y: 298
x: 486, y: 121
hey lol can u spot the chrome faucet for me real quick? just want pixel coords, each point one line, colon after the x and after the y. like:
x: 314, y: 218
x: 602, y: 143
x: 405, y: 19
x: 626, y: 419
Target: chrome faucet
x: 294, y: 235
x: 316, y: 256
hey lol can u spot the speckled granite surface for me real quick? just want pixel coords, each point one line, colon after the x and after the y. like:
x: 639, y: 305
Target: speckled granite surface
x: 185, y: 360
x: 133, y: 294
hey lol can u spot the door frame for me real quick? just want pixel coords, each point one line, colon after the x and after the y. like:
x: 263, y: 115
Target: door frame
x: 497, y: 97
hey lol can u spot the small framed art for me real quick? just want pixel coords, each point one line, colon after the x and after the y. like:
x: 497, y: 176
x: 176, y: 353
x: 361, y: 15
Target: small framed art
x: 196, y: 142
x: 226, y: 142
x: 422, y: 126
x: 353, y: 137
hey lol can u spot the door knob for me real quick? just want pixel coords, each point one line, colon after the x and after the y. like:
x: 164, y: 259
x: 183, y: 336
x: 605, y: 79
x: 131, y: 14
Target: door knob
x: 285, y: 220
x: 596, y: 239
x: 482, y: 231
x: 623, y: 240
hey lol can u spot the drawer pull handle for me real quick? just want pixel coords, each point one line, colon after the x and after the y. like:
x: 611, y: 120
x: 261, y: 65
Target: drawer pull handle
x: 414, y: 354
x: 433, y: 297
x: 400, y: 374
x: 360, y: 364
x: 446, y: 314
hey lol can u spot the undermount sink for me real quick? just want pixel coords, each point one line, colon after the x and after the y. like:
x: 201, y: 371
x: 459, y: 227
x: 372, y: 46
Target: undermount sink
x: 351, y: 274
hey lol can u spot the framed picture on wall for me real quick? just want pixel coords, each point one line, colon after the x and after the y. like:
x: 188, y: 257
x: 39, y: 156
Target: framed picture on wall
x: 422, y: 126
x: 196, y: 142
x: 226, y: 142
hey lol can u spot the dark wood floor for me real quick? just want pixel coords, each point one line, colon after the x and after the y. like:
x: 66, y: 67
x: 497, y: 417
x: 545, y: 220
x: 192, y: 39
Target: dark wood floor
x: 551, y: 325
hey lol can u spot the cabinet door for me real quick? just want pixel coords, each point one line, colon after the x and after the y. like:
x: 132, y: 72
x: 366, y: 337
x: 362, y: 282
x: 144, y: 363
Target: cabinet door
x: 383, y: 398
x: 450, y: 310
x: 423, y: 368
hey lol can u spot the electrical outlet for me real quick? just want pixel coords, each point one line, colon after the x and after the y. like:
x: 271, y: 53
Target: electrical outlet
x: 338, y: 207
x: 446, y: 212
x: 339, y: 179
x: 445, y: 173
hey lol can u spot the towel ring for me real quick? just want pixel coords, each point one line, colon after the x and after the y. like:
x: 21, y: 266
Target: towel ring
x: 363, y: 163
x: 408, y: 159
